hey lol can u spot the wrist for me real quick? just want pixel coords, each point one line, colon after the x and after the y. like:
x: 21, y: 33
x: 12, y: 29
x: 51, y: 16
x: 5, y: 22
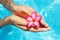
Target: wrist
x: 8, y: 4
x: 12, y: 5
x: 1, y: 23
x: 0, y: 1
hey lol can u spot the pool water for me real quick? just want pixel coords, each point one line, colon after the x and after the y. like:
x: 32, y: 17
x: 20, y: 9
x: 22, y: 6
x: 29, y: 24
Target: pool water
x: 49, y: 9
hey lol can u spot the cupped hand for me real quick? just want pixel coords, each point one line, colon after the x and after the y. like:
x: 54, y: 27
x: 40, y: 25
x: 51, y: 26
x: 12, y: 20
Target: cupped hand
x: 20, y: 12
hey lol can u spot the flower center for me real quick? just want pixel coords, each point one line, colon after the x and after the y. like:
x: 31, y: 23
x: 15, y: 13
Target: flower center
x: 33, y: 20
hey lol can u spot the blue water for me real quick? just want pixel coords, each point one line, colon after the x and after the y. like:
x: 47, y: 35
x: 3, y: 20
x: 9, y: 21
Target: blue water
x: 49, y: 9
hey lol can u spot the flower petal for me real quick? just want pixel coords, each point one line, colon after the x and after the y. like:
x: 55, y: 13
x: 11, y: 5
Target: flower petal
x: 36, y: 23
x: 34, y: 14
x: 29, y: 18
x: 38, y: 18
x: 30, y: 24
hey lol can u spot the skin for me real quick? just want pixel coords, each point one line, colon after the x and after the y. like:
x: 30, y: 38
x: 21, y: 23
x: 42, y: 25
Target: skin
x: 18, y: 18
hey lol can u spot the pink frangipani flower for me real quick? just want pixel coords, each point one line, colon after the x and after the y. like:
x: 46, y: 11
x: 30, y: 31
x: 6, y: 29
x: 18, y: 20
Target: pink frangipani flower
x: 33, y: 20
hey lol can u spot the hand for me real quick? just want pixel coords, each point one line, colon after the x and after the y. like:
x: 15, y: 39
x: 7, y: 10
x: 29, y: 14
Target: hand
x: 21, y: 22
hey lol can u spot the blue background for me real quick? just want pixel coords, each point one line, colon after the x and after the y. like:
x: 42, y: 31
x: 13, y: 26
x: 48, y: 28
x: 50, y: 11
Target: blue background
x: 49, y: 9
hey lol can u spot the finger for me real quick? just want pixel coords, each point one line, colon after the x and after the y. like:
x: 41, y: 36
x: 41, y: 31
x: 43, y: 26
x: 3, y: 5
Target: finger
x: 39, y: 30
x: 26, y: 10
x: 44, y: 29
x: 44, y: 23
x: 30, y: 8
x: 48, y: 28
x: 22, y: 27
x: 33, y: 30
x: 18, y: 20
